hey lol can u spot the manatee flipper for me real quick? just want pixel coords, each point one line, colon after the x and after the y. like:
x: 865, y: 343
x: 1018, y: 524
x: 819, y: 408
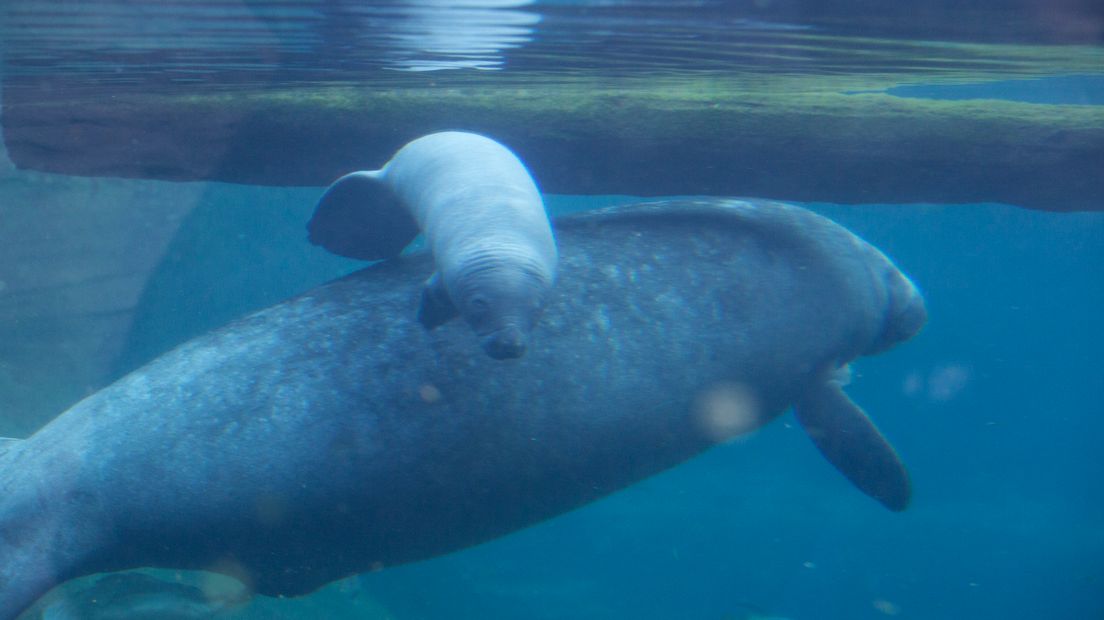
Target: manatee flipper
x: 436, y: 308
x: 850, y: 441
x: 360, y: 217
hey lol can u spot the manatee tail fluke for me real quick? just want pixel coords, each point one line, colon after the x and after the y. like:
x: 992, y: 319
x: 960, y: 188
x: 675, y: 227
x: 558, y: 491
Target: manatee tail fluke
x: 845, y: 435
x: 360, y: 217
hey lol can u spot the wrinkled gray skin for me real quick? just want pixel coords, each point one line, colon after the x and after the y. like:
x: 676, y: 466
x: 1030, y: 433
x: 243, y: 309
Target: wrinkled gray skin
x: 483, y: 220
x: 330, y: 434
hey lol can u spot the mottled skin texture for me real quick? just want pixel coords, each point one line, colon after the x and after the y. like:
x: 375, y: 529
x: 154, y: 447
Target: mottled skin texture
x: 331, y: 434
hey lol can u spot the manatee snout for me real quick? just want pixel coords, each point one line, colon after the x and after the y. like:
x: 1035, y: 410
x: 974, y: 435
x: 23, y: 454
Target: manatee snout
x: 503, y: 306
x: 911, y: 316
x: 906, y: 313
x: 506, y: 343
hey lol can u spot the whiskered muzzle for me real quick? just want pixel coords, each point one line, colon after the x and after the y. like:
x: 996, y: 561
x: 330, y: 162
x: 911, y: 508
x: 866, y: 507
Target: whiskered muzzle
x: 506, y: 343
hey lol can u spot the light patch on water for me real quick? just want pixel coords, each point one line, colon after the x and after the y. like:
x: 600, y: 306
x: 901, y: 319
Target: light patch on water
x: 601, y: 319
x: 429, y: 393
x: 886, y: 607
x: 913, y: 384
x: 943, y: 383
x: 728, y: 410
x: 436, y: 35
x: 613, y: 272
x: 947, y: 382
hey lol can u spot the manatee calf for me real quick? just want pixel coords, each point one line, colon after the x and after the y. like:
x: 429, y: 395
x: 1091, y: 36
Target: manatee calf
x: 484, y: 222
x: 323, y: 437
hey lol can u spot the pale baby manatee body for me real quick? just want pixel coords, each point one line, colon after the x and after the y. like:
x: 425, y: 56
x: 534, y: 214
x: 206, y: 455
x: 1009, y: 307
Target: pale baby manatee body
x: 325, y: 436
x: 484, y: 222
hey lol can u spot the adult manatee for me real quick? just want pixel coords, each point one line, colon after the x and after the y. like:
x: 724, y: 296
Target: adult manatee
x: 483, y: 220
x: 330, y: 434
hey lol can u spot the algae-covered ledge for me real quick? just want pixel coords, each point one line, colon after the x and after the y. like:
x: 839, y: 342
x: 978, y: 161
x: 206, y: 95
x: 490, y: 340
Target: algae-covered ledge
x: 802, y: 138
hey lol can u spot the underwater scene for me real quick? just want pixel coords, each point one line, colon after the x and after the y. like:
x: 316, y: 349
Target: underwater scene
x: 504, y: 309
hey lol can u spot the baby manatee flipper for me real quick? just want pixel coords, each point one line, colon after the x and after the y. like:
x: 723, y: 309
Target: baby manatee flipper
x: 360, y: 217
x: 850, y: 441
x: 436, y: 308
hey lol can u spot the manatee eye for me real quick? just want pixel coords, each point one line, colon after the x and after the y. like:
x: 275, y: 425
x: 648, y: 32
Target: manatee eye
x: 478, y: 304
